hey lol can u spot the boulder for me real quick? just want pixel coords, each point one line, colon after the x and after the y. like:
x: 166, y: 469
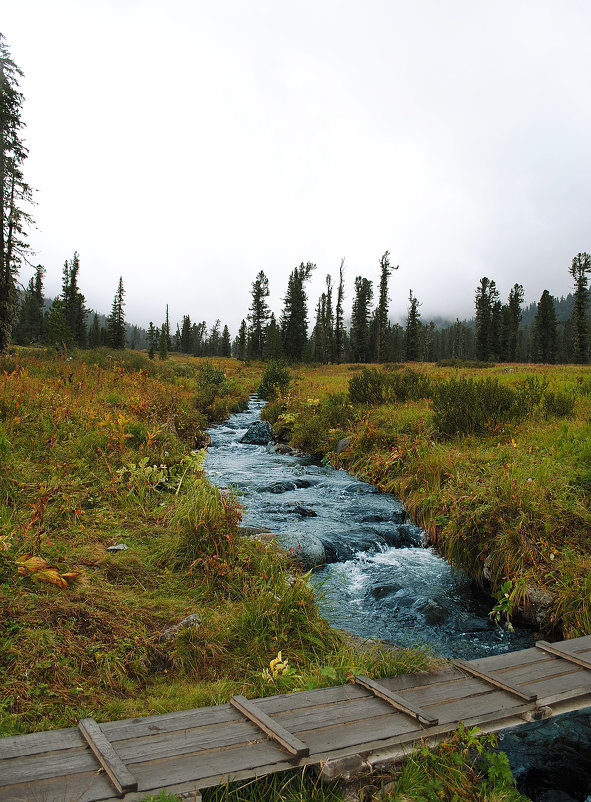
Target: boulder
x: 342, y: 445
x: 306, y: 548
x: 536, y: 607
x: 285, y: 486
x: 190, y: 622
x: 258, y: 434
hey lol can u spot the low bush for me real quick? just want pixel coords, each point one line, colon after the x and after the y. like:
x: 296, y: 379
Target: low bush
x: 372, y: 386
x: 474, y: 364
x: 465, y: 406
x: 558, y: 404
x: 319, y: 425
x: 276, y: 380
x: 211, y: 387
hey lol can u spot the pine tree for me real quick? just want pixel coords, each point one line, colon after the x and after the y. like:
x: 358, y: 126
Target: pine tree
x: 488, y: 320
x: 152, y: 340
x: 382, y: 307
x: 510, y: 319
x: 545, y: 343
x: 242, y: 344
x: 226, y: 347
x: 215, y: 340
x: 580, y: 267
x: 294, y: 318
x: 73, y: 301
x: 94, y: 334
x: 163, y: 342
x: 31, y: 321
x: 15, y: 193
x: 116, y: 320
x: 274, y: 345
x: 185, y: 344
x: 360, y: 320
x: 413, y: 331
x: 258, y: 316
x: 198, y: 338
x: 339, y: 326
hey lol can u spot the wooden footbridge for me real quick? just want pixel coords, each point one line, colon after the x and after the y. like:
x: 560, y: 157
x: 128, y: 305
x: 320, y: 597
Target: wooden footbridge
x: 363, y: 722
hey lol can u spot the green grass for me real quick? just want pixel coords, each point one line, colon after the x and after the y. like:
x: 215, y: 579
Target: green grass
x: 511, y: 489
x: 97, y: 451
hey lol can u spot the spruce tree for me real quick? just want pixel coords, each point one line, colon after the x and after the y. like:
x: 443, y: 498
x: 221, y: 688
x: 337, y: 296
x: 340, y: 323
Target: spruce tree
x: 152, y: 340
x: 31, y: 321
x: 339, y: 326
x: 15, y: 193
x: 215, y: 340
x: 580, y: 267
x: 510, y: 319
x: 116, y: 320
x: 226, y: 345
x: 413, y: 331
x: 163, y: 342
x: 185, y: 345
x: 73, y: 301
x: 94, y: 333
x: 360, y: 320
x: 242, y: 343
x: 382, y: 307
x: 545, y: 343
x: 294, y: 318
x: 258, y: 316
x: 274, y: 345
x: 488, y: 320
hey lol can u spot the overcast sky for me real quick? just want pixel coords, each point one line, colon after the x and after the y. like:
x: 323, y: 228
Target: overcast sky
x: 188, y: 144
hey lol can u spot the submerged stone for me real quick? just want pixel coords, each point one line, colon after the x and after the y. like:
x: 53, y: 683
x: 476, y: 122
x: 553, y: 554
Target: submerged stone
x: 308, y: 549
x: 258, y: 434
x: 285, y: 486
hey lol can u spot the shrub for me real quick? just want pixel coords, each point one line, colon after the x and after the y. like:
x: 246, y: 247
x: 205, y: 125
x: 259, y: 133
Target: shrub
x: 276, y: 379
x: 211, y: 384
x: 529, y: 394
x: 319, y: 426
x: 372, y: 386
x: 464, y: 406
x: 558, y: 404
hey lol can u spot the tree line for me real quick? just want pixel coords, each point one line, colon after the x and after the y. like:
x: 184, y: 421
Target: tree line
x: 497, y: 332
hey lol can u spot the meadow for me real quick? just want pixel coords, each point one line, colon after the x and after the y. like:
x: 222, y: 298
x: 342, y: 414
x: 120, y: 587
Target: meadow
x: 493, y: 462
x: 104, y: 449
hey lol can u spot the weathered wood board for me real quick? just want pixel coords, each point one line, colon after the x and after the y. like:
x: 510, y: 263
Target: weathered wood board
x: 195, y: 749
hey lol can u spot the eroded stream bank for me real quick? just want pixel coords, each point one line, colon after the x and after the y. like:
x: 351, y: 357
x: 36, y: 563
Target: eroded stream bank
x: 378, y: 580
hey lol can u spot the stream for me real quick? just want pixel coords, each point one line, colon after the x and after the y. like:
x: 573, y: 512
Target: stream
x: 380, y: 582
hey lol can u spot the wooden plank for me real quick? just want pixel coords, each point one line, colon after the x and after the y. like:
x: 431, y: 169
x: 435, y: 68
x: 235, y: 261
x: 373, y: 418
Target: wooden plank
x: 121, y: 777
x: 552, y: 648
x: 88, y: 787
x: 169, y: 722
x: 396, y: 701
x: 274, y: 730
x: 493, y: 680
x: 37, y: 742
x: 47, y: 765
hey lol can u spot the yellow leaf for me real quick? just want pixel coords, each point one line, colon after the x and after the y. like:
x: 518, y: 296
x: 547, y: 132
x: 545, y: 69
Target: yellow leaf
x: 50, y: 575
x: 30, y: 564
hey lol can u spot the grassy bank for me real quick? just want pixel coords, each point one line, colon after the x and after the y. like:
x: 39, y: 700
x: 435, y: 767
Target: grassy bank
x: 495, y: 463
x: 103, y: 449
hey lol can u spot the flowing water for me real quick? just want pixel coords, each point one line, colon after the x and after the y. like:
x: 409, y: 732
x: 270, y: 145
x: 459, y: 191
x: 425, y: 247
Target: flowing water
x: 379, y: 581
